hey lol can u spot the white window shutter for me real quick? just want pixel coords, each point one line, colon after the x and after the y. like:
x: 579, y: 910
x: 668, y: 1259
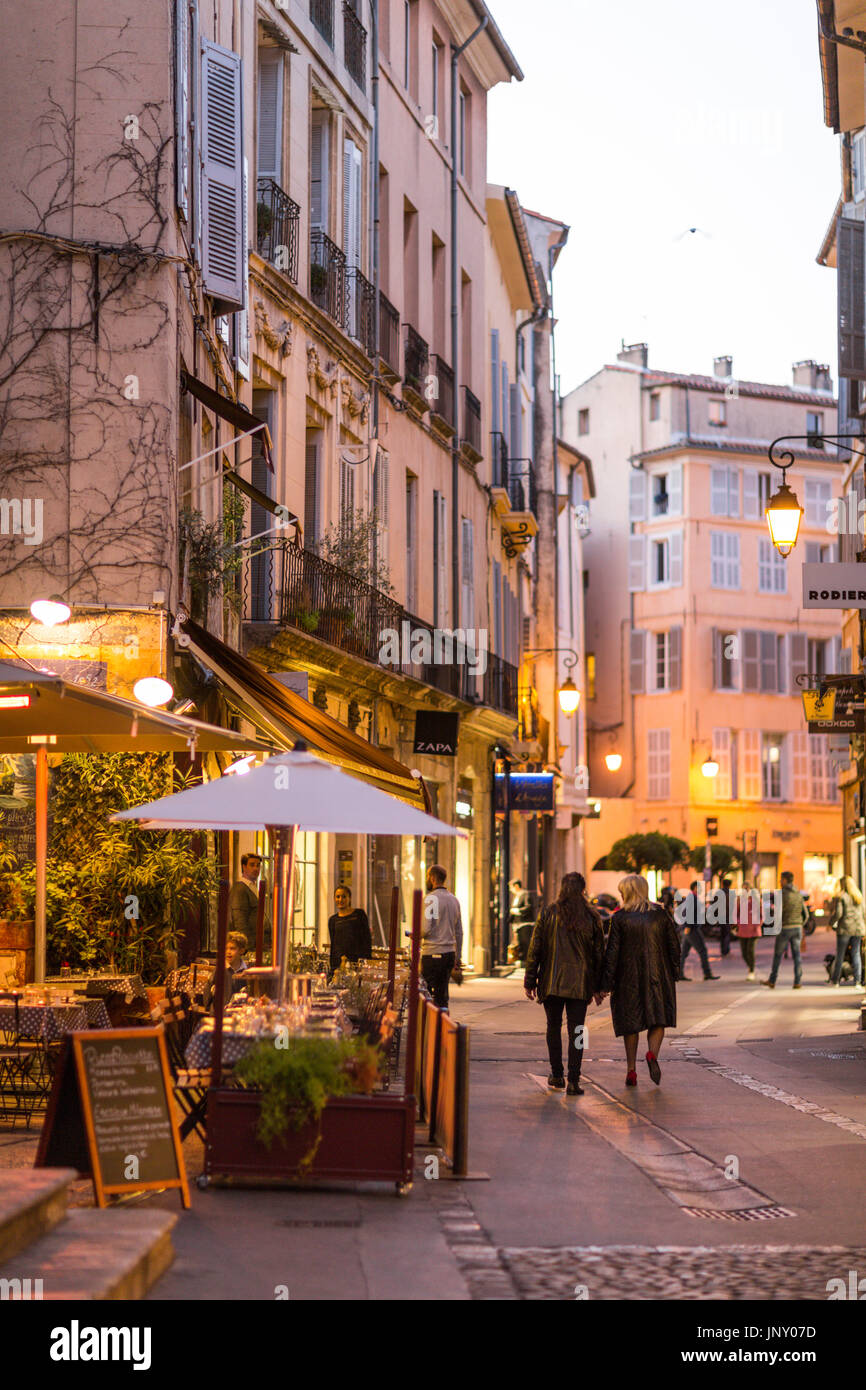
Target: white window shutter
x: 467, y: 574
x: 750, y: 764
x: 675, y: 490
x: 675, y: 659
x: 383, y: 517
x: 676, y: 563
x: 636, y: 563
x: 352, y: 204
x: 637, y: 493
x: 751, y: 502
x: 319, y: 170
x: 637, y: 661
x: 722, y: 755
x: 222, y: 177
x: 751, y: 650
x: 717, y: 560
x: 182, y: 109
x: 242, y: 319
x: 801, y: 788
x: 719, y: 491
x: 270, y: 132
x: 717, y: 659
x: 732, y: 560
x: 659, y: 764
x: 733, y: 491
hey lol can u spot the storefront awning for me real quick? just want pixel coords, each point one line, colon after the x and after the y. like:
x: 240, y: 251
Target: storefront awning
x: 285, y: 717
x: 231, y: 411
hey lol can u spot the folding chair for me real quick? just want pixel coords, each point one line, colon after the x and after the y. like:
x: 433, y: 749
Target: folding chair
x: 21, y: 1068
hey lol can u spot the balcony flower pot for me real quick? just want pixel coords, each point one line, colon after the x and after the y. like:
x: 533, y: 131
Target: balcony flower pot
x: 335, y: 622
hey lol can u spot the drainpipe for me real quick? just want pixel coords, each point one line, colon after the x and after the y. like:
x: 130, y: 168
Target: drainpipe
x: 455, y: 327
x: 374, y: 243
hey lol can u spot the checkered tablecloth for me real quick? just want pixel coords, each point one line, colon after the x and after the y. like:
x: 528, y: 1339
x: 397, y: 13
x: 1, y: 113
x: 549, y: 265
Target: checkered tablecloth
x: 45, y: 1022
x: 97, y: 1013
x: 189, y: 980
x: 131, y: 986
x: 235, y: 1046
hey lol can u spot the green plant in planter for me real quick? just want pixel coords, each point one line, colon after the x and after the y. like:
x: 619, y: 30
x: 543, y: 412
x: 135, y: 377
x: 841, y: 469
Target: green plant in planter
x: 13, y: 888
x: 318, y: 279
x: 264, y: 220
x: 297, y: 1081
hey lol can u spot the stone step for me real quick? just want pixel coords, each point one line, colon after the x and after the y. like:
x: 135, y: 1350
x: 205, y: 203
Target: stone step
x: 116, y: 1253
x: 32, y: 1202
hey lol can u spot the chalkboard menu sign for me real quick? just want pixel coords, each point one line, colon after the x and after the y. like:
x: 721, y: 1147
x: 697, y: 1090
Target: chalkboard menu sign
x: 110, y: 1114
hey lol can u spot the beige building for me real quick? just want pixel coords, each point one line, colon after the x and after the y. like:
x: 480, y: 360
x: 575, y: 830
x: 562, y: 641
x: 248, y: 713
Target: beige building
x: 695, y: 626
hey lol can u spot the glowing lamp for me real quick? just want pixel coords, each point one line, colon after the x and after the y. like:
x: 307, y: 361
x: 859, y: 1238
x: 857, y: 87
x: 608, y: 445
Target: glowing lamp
x: 569, y: 696
x: 153, y: 691
x: 784, y: 514
x: 613, y: 761
x: 50, y: 611
x: 710, y: 768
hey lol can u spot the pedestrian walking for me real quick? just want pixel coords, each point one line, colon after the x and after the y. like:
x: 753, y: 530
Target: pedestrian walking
x: 441, y: 936
x: 693, y: 937
x: 748, y: 926
x: 848, y: 924
x: 641, y: 964
x: 563, y: 970
x: 725, y: 917
x: 795, y: 914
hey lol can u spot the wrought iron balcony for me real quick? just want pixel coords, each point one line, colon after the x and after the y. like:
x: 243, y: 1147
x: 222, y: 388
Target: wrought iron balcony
x: 500, y: 684
x: 361, y: 309
x: 355, y: 45
x: 389, y: 335
x: 328, y: 277
x: 416, y: 360
x: 521, y: 486
x: 442, y: 404
x: 277, y: 222
x: 471, y: 438
x: 322, y: 15
x: 498, y: 460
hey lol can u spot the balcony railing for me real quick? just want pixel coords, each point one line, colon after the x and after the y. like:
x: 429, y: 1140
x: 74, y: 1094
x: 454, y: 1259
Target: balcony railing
x: 389, y: 335
x: 322, y: 15
x: 277, y: 222
x: 361, y: 309
x: 328, y: 277
x: 416, y: 359
x: 442, y: 404
x: 471, y: 422
x: 355, y: 45
x: 521, y: 486
x: 285, y: 584
x: 498, y: 460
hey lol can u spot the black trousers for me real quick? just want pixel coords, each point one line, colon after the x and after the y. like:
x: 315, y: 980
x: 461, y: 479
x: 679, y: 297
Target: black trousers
x: 575, y: 1013
x: 437, y: 972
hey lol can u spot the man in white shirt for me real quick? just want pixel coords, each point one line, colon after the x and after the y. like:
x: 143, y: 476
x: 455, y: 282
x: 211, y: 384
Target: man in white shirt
x: 441, y: 936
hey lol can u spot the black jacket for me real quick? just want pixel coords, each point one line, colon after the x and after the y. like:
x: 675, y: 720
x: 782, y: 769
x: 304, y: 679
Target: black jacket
x: 565, y: 961
x: 350, y: 937
x: 641, y: 965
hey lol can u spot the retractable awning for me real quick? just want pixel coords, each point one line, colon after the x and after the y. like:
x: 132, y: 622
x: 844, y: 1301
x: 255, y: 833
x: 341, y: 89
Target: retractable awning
x: 230, y: 411
x: 284, y: 717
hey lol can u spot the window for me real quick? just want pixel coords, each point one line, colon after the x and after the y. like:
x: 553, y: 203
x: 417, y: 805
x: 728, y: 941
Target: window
x: 312, y: 489
x: 437, y: 78
x: 589, y: 666
x: 763, y: 664
x: 765, y: 491
x: 726, y: 649
x: 583, y: 422
x: 858, y: 164
x: 661, y: 661
x: 660, y: 495
x: 467, y: 574
x: 817, y: 657
x: 440, y: 560
x: 815, y: 426
x: 817, y: 494
x: 667, y: 492
x: 660, y: 560
x: 772, y: 570
x: 724, y: 491
x: 718, y: 412
x: 658, y: 764
x: 667, y: 659
x: 347, y: 497
x: 772, y: 749
x: 665, y: 560
x: 464, y: 113
x: 818, y: 554
x: 724, y: 560
x: 320, y: 131
x: 655, y: 405
x: 270, y: 114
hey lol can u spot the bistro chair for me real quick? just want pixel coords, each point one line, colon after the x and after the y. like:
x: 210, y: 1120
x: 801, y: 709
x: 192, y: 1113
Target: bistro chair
x: 190, y: 1085
x: 20, y: 1068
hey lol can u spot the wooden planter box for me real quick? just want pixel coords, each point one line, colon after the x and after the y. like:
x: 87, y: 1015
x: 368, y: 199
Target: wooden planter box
x: 364, y: 1139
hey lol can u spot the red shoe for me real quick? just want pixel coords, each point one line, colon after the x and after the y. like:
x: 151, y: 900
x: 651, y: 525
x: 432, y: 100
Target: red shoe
x: 631, y: 1078
x: 655, y: 1070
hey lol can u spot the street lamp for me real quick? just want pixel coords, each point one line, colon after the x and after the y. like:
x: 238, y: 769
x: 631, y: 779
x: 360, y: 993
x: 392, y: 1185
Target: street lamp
x: 569, y: 696
x: 153, y: 691
x: 567, y: 693
x: 710, y: 768
x: 50, y: 612
x: 613, y: 761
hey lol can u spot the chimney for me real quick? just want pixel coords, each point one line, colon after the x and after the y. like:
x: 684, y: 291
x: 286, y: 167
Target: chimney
x: 814, y: 376
x: 637, y: 353
x: 723, y: 367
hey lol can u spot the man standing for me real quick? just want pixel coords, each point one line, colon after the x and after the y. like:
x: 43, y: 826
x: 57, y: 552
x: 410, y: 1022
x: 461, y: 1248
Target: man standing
x: 441, y: 936
x: 795, y: 914
x: 244, y: 900
x: 690, y: 912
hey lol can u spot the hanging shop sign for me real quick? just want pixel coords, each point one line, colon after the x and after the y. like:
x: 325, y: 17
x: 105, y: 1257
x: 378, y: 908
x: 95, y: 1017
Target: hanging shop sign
x: 527, y: 791
x: 832, y: 710
x: 834, y: 586
x: 436, y: 733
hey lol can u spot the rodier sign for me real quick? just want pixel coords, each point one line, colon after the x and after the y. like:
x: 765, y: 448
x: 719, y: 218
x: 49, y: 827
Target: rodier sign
x: 834, y: 586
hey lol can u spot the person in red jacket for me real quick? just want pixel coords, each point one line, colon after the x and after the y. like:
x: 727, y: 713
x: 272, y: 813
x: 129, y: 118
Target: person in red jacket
x: 748, y: 925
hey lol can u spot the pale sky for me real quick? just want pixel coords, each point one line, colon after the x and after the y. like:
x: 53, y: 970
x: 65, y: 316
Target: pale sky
x: 638, y: 120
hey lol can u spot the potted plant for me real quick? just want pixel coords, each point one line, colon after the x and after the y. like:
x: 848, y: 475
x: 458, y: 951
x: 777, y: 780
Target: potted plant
x: 264, y: 222
x: 318, y: 281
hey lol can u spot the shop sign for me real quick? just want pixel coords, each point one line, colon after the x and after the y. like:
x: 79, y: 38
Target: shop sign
x: 528, y: 791
x: 834, y: 586
x: 834, y: 716
x: 436, y: 733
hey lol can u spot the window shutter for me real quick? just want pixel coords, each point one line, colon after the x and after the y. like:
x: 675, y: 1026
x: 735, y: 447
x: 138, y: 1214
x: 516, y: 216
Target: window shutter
x: 722, y: 755
x: 504, y: 410
x: 732, y: 560
x: 818, y: 764
x: 733, y: 491
x: 497, y: 607
x: 719, y: 491
x: 851, y: 290
x: 439, y: 553
x: 516, y: 423
x: 637, y: 490
x: 750, y: 764
x: 347, y: 497
x: 636, y: 563
x: 751, y: 660
x: 383, y: 508
x: 845, y: 661
x: 311, y: 494
x: 270, y: 162
x: 751, y: 501
x: 675, y: 490
x: 659, y: 764
x: 319, y: 167
x: 676, y: 559
x: 675, y: 659
x: 182, y: 109
x: 717, y: 560
x: 494, y: 379
x: 717, y: 659
x: 467, y: 564
x: 352, y: 204
x: 637, y: 661
x: 769, y: 671
x: 799, y: 658
x: 242, y: 319
x: 223, y: 177
x: 801, y: 789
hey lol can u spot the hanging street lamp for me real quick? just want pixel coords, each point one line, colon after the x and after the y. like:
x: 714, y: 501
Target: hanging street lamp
x: 50, y: 612
x: 567, y: 693
x: 783, y: 511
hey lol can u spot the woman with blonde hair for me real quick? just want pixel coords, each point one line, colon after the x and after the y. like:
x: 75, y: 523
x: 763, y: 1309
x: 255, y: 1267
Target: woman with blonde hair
x: 641, y: 966
x: 849, y: 925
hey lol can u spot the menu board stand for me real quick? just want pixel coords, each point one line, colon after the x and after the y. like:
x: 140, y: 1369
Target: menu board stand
x: 111, y: 1115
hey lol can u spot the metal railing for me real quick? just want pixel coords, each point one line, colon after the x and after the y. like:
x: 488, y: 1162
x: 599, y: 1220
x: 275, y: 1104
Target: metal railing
x: 521, y: 486
x: 442, y: 404
x: 283, y: 583
x: 355, y: 45
x: 389, y: 334
x: 277, y: 221
x: 498, y: 460
x: 328, y: 277
x: 416, y: 359
x: 322, y: 15
x: 471, y: 421
x: 361, y: 309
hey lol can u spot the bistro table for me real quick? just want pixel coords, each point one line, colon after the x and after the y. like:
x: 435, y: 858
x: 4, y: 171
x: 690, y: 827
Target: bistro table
x: 191, y: 980
x: 130, y: 986
x: 239, y: 1035
x: 47, y: 1023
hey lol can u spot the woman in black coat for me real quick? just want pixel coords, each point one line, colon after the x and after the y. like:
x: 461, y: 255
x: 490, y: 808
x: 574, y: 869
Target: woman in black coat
x: 563, y: 968
x: 349, y: 930
x: 641, y: 966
